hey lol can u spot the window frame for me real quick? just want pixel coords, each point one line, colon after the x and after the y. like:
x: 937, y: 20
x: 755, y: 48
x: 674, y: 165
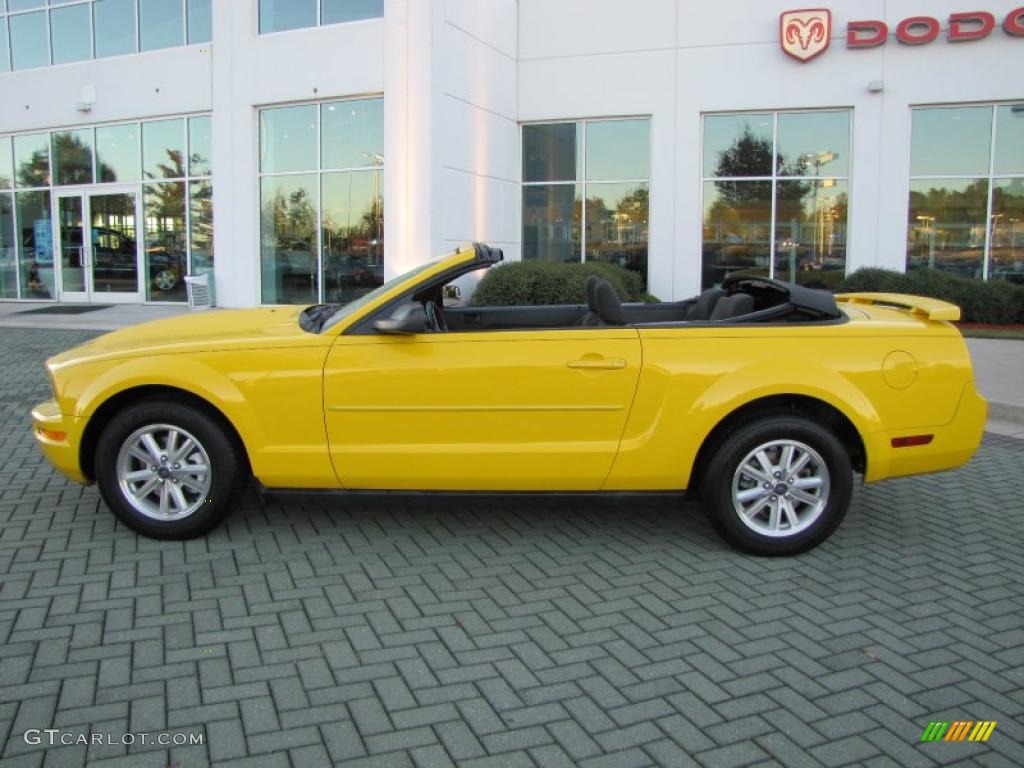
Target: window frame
x: 319, y: 171
x: 138, y: 185
x: 990, y: 175
x: 319, y: 24
x: 47, y: 9
x: 774, y: 177
x: 583, y: 182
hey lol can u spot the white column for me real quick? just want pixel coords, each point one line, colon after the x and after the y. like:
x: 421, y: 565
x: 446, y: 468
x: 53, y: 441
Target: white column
x: 235, y: 187
x: 409, y: 125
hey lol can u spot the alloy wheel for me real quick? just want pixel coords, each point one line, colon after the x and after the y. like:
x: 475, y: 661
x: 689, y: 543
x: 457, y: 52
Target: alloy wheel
x: 164, y: 472
x: 780, y: 488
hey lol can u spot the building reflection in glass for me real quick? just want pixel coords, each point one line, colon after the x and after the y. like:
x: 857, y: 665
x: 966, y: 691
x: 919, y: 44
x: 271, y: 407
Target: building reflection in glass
x: 586, y: 192
x: 616, y: 222
x: 35, y: 244
x: 8, y: 248
x: 166, y: 253
x: 1007, y: 237
x: 352, y: 234
x: 946, y: 225
x: 321, y: 212
x: 966, y: 191
x: 288, y: 263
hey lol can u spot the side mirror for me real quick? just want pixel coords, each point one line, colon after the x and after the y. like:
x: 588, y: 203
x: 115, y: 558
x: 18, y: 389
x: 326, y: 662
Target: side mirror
x: 406, y: 319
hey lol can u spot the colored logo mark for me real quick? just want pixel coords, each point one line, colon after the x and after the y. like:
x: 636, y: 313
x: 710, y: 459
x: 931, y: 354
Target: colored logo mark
x: 806, y: 33
x: 958, y: 730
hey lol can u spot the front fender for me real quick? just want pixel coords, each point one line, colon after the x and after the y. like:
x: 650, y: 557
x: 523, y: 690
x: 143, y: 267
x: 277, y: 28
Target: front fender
x: 94, y: 384
x: 273, y: 398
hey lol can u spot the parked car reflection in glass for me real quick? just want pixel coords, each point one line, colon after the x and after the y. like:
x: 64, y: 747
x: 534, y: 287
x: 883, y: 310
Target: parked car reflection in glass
x: 352, y: 267
x: 114, y: 262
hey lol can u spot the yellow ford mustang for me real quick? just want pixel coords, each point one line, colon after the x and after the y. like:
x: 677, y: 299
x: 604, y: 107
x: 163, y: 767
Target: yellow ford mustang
x: 762, y: 396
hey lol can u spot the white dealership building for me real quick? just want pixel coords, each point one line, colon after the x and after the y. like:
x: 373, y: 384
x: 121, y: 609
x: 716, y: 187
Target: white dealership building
x: 269, y: 142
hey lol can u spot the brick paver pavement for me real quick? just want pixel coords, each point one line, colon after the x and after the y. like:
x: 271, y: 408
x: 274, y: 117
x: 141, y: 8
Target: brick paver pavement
x: 503, y: 634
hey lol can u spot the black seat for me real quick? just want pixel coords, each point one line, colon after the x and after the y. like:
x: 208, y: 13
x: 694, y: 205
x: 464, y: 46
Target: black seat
x: 704, y: 305
x: 590, y: 288
x: 728, y: 307
x: 609, y: 308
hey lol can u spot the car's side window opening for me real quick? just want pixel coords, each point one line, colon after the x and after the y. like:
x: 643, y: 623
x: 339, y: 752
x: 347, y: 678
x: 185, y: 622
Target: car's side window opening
x: 446, y: 305
x: 739, y: 301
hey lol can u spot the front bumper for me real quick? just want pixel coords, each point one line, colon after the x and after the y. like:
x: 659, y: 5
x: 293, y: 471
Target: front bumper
x: 952, y: 444
x: 59, y: 437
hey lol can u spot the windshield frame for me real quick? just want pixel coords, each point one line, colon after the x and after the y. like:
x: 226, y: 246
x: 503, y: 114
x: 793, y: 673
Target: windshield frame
x: 347, y: 310
x: 355, y: 314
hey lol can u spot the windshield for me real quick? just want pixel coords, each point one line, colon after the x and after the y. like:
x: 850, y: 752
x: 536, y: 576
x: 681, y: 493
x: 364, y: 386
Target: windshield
x: 346, y: 310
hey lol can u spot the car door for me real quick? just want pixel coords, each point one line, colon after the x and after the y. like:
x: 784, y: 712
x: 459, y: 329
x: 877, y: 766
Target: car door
x: 487, y: 410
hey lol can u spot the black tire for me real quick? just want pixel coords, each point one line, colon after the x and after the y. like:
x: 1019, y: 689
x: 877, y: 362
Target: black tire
x: 226, y: 478
x: 818, y: 521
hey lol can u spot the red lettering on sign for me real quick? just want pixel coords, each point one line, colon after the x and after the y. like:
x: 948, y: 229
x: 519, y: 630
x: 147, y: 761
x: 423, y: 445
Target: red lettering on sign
x: 866, y: 34
x: 905, y: 31
x: 970, y: 26
x: 1014, y: 23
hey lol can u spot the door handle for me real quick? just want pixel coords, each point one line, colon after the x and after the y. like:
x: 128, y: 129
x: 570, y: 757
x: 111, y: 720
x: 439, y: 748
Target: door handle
x: 600, y: 364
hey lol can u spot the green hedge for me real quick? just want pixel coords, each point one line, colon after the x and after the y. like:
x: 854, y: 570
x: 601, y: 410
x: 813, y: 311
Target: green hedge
x: 994, y: 301
x: 534, y: 282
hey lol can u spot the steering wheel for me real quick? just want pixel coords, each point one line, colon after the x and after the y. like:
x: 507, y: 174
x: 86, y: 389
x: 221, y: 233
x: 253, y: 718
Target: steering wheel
x: 435, y: 317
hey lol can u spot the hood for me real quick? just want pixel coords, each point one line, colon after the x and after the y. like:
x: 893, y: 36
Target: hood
x: 217, y: 329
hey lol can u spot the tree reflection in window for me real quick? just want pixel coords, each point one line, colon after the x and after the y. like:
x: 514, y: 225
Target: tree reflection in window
x: 966, y: 204
x: 769, y: 214
x: 605, y: 163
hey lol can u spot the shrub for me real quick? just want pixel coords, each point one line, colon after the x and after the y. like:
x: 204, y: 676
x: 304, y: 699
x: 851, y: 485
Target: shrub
x: 535, y: 282
x: 994, y: 301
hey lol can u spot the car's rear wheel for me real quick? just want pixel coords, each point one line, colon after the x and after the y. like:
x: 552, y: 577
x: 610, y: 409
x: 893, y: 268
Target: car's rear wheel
x: 168, y: 470
x: 779, y: 485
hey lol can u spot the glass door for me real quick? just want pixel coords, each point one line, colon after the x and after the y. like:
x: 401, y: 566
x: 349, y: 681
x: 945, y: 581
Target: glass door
x: 73, y: 256
x: 99, y: 261
x: 114, y: 253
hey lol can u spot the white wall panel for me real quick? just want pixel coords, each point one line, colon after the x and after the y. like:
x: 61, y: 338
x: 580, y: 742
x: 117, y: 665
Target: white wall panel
x: 478, y: 141
x: 166, y: 82
x: 493, y: 22
x: 557, y: 28
x: 477, y: 74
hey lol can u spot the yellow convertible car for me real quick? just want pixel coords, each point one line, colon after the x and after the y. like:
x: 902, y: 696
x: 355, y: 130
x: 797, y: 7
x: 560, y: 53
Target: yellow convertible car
x: 761, y: 396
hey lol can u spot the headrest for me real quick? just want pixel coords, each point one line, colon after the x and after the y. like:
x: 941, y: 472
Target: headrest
x: 608, y: 305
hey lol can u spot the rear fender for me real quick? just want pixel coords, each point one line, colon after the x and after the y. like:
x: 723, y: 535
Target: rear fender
x: 762, y: 380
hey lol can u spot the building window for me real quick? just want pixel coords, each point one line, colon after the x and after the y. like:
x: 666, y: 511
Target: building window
x: 603, y: 162
x: 282, y: 15
x: 966, y: 210
x: 321, y: 201
x: 177, y: 203
x: 166, y: 163
x: 775, y: 196
x: 36, y: 34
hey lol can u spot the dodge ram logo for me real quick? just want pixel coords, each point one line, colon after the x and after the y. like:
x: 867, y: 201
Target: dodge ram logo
x: 805, y: 34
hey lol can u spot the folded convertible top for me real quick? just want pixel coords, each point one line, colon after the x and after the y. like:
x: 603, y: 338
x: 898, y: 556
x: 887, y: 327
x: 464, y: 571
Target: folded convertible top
x: 769, y: 292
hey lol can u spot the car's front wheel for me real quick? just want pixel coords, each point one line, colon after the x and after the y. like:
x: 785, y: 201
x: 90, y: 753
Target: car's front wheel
x: 778, y: 485
x: 167, y: 469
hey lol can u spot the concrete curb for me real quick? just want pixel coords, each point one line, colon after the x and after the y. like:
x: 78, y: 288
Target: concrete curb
x: 1011, y: 412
